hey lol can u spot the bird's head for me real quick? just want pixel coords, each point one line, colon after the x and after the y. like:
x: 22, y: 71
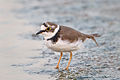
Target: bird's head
x: 48, y: 29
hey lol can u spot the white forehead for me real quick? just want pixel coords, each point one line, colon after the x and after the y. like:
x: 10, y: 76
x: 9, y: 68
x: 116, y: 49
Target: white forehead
x: 42, y: 27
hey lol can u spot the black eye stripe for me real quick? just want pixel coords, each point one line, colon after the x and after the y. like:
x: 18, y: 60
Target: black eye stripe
x: 44, y: 24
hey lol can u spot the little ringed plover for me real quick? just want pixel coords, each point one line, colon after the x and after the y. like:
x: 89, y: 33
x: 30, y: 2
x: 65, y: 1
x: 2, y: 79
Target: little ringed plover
x: 63, y: 39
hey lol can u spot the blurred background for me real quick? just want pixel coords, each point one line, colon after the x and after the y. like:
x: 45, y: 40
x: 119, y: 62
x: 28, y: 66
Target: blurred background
x: 25, y: 57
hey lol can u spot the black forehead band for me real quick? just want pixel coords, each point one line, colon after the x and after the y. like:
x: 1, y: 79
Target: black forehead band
x: 44, y: 24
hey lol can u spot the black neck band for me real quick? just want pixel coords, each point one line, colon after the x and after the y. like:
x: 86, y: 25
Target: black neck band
x: 55, y: 37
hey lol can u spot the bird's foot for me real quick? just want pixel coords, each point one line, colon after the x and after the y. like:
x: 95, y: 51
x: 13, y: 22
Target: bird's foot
x: 66, y: 68
x: 57, y: 67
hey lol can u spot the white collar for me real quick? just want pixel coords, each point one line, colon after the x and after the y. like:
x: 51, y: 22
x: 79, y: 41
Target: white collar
x: 53, y: 34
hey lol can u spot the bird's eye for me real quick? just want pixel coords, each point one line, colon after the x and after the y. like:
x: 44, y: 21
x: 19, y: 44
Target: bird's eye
x: 48, y: 29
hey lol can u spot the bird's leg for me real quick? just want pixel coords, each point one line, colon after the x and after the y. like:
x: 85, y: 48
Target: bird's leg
x: 59, y: 60
x: 69, y: 61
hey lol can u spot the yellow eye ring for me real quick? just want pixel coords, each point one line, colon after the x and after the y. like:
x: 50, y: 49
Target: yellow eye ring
x: 48, y: 29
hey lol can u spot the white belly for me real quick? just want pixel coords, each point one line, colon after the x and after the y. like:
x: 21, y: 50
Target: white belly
x: 64, y: 46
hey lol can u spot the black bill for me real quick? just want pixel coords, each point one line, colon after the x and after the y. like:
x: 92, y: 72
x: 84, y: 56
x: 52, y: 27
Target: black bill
x: 40, y: 32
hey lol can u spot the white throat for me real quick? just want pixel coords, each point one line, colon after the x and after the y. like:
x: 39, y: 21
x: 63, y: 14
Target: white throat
x: 50, y: 35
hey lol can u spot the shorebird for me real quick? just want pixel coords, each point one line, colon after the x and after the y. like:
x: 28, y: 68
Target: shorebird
x: 63, y: 39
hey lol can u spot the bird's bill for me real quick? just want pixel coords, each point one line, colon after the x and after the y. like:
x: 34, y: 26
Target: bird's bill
x: 40, y: 32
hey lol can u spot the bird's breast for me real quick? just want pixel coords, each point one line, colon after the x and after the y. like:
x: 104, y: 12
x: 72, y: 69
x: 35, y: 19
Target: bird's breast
x: 64, y: 45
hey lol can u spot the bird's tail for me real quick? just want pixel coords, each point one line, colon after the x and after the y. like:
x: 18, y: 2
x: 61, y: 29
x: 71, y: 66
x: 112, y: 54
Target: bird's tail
x: 92, y: 36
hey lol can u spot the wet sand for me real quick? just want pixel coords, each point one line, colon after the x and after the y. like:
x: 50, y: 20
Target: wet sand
x: 25, y: 57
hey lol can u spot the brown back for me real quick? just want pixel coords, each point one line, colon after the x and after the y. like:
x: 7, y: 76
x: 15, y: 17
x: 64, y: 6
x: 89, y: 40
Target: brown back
x: 70, y: 34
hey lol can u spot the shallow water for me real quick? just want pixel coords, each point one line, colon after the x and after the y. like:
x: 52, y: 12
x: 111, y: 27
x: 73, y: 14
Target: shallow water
x: 25, y: 57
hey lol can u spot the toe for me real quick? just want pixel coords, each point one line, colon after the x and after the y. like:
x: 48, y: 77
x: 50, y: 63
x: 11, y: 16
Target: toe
x: 56, y: 67
x: 66, y: 68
